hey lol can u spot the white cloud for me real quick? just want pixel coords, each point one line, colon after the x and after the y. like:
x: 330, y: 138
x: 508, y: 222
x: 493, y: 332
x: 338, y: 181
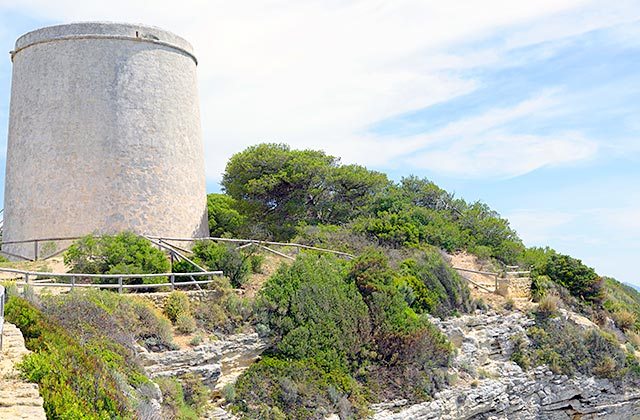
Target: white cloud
x: 316, y: 73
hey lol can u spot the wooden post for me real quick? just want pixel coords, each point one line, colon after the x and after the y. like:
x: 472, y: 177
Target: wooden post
x: 73, y: 282
x: 173, y: 281
x: 26, y: 278
x: 35, y: 250
x: 172, y: 258
x: 119, y: 284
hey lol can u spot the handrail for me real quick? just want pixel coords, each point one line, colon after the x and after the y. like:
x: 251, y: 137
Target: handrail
x: 178, y: 239
x: 254, y: 241
x: 120, y: 277
x: 488, y: 273
x: 108, y: 276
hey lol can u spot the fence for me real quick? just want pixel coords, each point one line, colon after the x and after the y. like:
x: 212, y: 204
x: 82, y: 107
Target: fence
x: 44, y: 279
x: 162, y: 242
x: 506, y: 276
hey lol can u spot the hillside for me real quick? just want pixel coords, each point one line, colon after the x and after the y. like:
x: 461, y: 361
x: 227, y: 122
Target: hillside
x: 387, y: 328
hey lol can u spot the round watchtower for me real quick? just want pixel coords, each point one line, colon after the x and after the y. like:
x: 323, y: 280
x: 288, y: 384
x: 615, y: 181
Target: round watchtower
x: 104, y: 135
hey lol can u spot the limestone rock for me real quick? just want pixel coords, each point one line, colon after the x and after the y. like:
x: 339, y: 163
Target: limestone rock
x: 490, y: 386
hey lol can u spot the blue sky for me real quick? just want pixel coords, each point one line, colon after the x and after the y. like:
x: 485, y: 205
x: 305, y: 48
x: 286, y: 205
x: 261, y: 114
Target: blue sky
x: 532, y: 107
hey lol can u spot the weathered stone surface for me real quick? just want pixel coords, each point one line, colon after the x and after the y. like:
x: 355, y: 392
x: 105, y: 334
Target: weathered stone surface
x: 159, y: 298
x: 18, y: 398
x: 490, y: 386
x: 104, y: 135
x: 206, y: 360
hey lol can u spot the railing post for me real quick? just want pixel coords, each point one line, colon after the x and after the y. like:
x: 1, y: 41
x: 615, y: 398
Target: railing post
x: 26, y: 278
x: 119, y: 284
x: 35, y: 250
x: 172, y: 278
x: 73, y: 282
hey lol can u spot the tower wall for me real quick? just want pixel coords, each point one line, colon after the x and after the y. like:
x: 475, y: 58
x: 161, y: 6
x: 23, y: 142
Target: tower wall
x: 104, y: 135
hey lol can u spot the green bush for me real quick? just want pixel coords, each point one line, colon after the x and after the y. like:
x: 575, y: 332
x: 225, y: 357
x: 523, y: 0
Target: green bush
x: 185, y: 323
x: 567, y: 349
x: 224, y: 218
x: 439, y: 290
x: 122, y: 318
x: 196, y: 394
x: 581, y: 281
x: 232, y: 262
x: 296, y: 389
x: 78, y: 377
x: 124, y: 253
x: 174, y: 405
x: 177, y: 304
x: 406, y: 345
x: 314, y: 312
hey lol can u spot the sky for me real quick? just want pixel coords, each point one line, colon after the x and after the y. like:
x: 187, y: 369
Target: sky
x: 530, y: 106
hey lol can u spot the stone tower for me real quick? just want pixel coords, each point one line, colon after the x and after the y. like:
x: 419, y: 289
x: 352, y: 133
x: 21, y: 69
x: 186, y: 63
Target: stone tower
x: 104, y: 135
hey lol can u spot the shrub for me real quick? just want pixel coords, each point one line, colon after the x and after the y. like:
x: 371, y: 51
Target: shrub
x: 625, y: 320
x: 567, y: 349
x: 78, y: 378
x: 232, y: 262
x: 185, y: 323
x: 579, y: 279
x: 295, y: 389
x: 121, y: 318
x: 439, y: 289
x: 124, y: 253
x: 177, y: 304
x: 548, y: 306
x: 314, y: 311
x: 196, y: 340
x: 255, y: 261
x: 229, y: 393
x: 196, y: 394
x: 509, y: 304
x: 174, y: 405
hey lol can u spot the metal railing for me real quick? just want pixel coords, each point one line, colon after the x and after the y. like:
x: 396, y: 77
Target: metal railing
x: 45, y: 279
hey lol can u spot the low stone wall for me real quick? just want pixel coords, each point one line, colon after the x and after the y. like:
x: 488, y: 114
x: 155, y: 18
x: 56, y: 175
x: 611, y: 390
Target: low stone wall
x: 159, y: 299
x: 520, y: 287
x: 19, y: 399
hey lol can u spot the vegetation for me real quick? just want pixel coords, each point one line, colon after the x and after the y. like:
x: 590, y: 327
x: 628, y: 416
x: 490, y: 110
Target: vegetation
x: 235, y: 264
x: 124, y: 253
x: 567, y: 349
x: 84, y: 372
x: 344, y: 333
x: 336, y: 327
x: 224, y: 218
x: 177, y: 304
x: 183, y: 399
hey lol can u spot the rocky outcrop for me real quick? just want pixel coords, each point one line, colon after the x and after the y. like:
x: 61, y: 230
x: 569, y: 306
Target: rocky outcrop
x: 18, y: 399
x: 490, y: 386
x: 210, y: 361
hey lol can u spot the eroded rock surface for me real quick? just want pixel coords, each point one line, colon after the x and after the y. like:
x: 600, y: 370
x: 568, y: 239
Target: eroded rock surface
x: 210, y: 360
x: 490, y: 386
x: 18, y: 399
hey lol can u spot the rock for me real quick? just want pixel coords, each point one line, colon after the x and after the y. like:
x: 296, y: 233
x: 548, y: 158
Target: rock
x: 506, y: 391
x: 19, y: 399
x: 205, y: 360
